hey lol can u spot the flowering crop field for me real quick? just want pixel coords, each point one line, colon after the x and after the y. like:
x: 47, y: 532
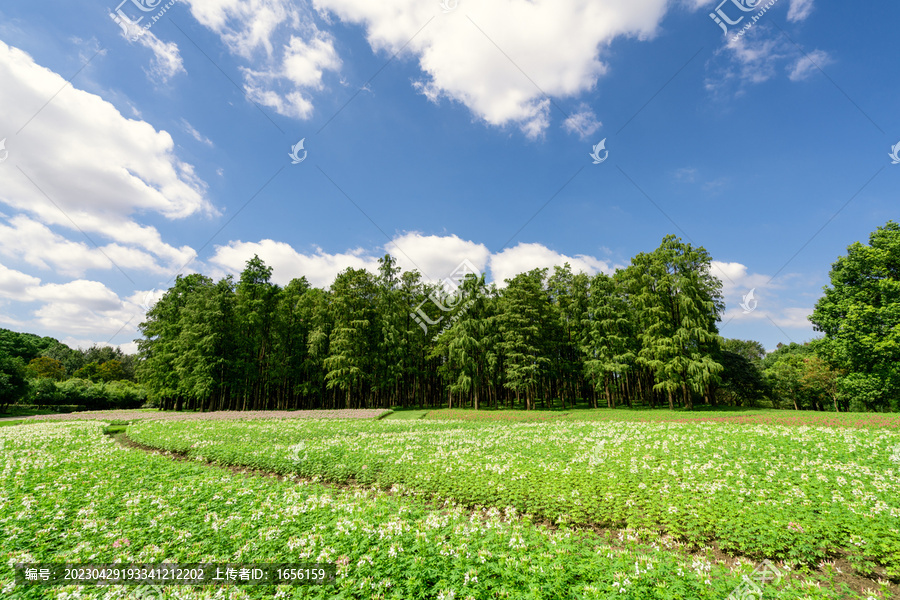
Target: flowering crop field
x: 68, y: 493
x: 792, y: 493
x: 225, y: 415
x: 750, y: 417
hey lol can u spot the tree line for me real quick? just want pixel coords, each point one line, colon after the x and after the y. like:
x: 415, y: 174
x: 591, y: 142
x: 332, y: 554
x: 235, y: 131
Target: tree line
x: 44, y: 372
x: 646, y: 334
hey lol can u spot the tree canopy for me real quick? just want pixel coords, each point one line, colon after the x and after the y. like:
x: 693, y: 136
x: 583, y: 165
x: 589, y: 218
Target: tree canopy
x: 647, y: 334
x: 860, y: 317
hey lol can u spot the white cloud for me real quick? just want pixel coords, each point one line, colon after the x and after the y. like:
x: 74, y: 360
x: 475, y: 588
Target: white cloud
x: 319, y: 268
x: 686, y: 175
x: 799, y: 10
x: 279, y: 75
x: 436, y: 257
x: 81, y: 160
x: 196, y: 134
x: 766, y: 305
x: 500, y: 58
x: 735, y: 278
x: 794, y: 317
x: 584, y: 122
x: 81, y: 307
x: 305, y: 62
x: 808, y: 64
x: 757, y: 56
x: 166, y: 57
x: 37, y: 245
x: 525, y: 257
x: 15, y: 284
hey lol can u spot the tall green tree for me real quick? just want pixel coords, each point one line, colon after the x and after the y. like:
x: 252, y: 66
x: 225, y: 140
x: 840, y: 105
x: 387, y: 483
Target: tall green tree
x: 678, y: 302
x: 610, y: 344
x: 351, y: 345
x: 860, y: 317
x: 524, y: 310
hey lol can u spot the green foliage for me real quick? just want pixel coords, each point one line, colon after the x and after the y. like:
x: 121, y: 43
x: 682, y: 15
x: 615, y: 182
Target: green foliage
x: 860, y: 317
x: 742, y: 380
x: 130, y: 506
x: 26, y: 346
x: 798, y: 494
x: 388, y: 339
x: 44, y: 366
x: 13, y: 382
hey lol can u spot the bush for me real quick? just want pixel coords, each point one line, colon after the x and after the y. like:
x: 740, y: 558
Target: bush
x: 45, y: 392
x: 86, y: 395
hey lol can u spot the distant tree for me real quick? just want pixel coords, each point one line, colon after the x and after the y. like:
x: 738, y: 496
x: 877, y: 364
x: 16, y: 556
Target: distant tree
x: 784, y: 371
x: 18, y: 345
x: 860, y: 317
x: 609, y: 342
x: 45, y: 392
x: 742, y: 382
x: 46, y: 367
x: 13, y: 381
x: 111, y: 370
x: 568, y: 293
x: 72, y: 360
x: 751, y: 350
x: 821, y: 379
x: 89, y: 371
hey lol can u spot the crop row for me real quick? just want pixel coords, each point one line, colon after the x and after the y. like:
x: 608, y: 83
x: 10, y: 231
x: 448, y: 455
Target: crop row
x: 792, y: 493
x: 754, y: 417
x: 70, y: 494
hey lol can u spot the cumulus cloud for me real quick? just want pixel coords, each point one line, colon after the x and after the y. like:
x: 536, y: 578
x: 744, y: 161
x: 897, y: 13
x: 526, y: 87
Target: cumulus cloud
x: 436, y: 257
x: 80, y: 307
x: 319, y: 267
x: 83, y: 166
x: 15, y: 284
x: 502, y: 59
x: 761, y: 299
x: 525, y: 257
x: 39, y: 246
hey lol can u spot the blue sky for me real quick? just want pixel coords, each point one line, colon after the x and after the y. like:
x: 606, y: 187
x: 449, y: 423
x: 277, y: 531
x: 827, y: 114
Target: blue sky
x: 438, y: 133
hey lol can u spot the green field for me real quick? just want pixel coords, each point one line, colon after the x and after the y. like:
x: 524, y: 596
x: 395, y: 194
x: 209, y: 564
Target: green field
x: 611, y: 504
